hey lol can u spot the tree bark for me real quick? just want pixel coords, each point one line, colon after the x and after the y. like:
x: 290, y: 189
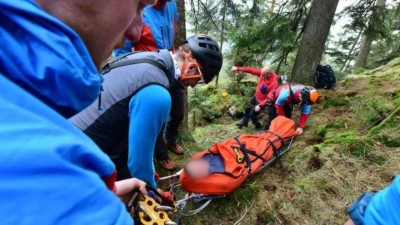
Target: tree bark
x: 222, y: 35
x: 316, y: 30
x: 362, y: 58
x: 348, y: 57
x: 180, y: 38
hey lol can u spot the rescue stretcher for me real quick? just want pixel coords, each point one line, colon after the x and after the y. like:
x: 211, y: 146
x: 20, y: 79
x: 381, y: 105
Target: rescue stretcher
x: 243, y: 156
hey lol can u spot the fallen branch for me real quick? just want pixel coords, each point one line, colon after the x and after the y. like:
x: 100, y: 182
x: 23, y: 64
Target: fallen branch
x: 385, y: 120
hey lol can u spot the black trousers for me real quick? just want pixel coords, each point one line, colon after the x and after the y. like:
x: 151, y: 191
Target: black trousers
x: 170, y: 129
x: 272, y: 113
x: 250, y: 113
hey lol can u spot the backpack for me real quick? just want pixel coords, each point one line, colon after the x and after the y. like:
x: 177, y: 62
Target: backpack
x: 324, y: 77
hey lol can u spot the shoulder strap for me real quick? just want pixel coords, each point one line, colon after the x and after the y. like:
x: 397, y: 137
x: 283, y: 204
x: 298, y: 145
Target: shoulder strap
x: 292, y: 96
x: 116, y: 62
x: 115, y: 59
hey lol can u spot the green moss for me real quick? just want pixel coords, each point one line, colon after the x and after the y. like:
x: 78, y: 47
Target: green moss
x: 369, y: 111
x: 335, y: 124
x: 344, y: 138
x: 321, y: 131
x: 389, y: 141
x: 359, y: 149
x: 375, y: 81
x: 357, y: 146
x: 336, y: 101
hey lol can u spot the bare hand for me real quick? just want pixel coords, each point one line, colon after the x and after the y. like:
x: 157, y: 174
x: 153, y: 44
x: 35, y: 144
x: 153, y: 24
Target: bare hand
x: 234, y: 68
x: 299, y: 131
x: 257, y: 108
x: 349, y: 222
x: 125, y: 188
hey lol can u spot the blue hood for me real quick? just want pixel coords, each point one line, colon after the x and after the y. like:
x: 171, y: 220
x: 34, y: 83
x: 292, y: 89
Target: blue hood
x: 46, y: 57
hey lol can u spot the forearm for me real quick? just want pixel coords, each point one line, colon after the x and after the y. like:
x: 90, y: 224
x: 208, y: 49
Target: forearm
x: 250, y: 70
x: 149, y: 110
x: 303, y: 120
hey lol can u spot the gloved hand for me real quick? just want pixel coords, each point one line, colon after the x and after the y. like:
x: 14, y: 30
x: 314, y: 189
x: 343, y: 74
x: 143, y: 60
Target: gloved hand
x: 156, y: 176
x: 165, y: 194
x: 257, y: 108
x: 299, y: 131
x: 234, y: 68
x: 168, y: 196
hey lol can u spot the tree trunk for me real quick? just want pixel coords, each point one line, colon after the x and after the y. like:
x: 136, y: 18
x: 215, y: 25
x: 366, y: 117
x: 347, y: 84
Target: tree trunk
x: 316, y: 30
x: 222, y: 35
x: 272, y: 6
x: 362, y: 58
x: 180, y: 38
x: 348, y: 57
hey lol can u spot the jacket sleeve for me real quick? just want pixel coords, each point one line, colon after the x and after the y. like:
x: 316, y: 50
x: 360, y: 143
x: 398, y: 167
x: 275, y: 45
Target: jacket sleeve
x: 48, y: 160
x: 148, y: 111
x: 305, y: 112
x: 384, y: 207
x: 250, y: 70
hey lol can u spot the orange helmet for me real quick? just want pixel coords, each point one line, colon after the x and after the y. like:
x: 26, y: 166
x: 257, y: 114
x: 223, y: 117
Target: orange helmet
x: 309, y: 95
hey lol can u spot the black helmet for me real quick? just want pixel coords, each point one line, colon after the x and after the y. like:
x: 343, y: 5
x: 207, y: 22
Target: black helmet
x: 309, y: 95
x: 207, y: 52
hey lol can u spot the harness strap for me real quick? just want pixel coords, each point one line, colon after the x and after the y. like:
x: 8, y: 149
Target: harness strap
x: 292, y: 96
x: 246, y: 156
x: 115, y: 59
x: 109, y: 66
x: 118, y: 62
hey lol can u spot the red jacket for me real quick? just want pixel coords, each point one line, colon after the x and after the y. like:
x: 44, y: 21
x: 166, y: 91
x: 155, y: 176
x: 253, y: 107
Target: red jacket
x: 264, y: 86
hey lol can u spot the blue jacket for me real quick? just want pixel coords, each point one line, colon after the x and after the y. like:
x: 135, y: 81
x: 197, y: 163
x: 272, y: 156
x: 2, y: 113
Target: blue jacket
x: 50, y: 173
x: 158, y: 31
x: 384, y: 208
x: 136, y: 104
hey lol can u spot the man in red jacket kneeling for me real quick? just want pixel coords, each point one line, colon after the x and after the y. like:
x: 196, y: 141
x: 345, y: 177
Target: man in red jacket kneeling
x: 268, y: 81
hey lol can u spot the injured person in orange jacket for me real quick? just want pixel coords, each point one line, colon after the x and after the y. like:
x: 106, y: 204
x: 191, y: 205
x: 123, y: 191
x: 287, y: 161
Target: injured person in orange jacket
x: 223, y: 167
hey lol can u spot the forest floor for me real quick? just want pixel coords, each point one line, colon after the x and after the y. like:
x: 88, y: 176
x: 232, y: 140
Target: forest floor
x: 351, y: 145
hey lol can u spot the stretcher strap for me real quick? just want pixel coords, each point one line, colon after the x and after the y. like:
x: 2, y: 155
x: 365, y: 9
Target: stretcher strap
x: 257, y: 157
x: 246, y: 155
x: 278, y: 136
x: 276, y: 150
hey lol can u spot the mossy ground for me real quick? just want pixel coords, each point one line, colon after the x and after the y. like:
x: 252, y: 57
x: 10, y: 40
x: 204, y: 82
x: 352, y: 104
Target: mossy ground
x: 351, y: 145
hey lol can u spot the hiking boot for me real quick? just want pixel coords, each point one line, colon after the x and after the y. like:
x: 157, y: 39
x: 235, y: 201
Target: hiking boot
x: 168, y: 164
x: 241, y: 124
x: 257, y: 127
x: 175, y: 148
